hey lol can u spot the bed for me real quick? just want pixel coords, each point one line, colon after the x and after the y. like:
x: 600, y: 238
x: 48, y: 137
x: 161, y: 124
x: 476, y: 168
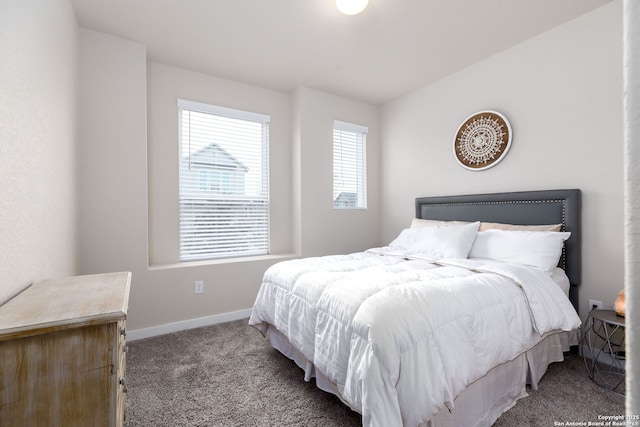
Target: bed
x: 448, y: 323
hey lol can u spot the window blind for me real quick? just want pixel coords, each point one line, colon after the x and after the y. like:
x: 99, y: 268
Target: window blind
x: 223, y: 188
x: 349, y: 166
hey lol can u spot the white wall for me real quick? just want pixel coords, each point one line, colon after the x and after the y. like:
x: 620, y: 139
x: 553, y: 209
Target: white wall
x: 562, y: 92
x: 113, y: 195
x: 324, y: 230
x: 38, y: 105
x: 128, y: 213
x: 112, y: 162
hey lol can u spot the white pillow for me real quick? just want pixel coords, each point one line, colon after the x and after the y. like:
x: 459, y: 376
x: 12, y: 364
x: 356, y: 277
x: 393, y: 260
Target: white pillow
x: 417, y: 222
x: 438, y: 242
x: 535, y: 248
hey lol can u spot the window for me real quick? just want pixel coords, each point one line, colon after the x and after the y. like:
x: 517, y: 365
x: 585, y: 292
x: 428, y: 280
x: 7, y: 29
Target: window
x: 224, y: 188
x: 349, y: 166
x: 215, y: 181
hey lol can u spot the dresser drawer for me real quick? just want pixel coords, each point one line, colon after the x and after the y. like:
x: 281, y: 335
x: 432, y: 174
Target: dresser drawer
x: 63, y: 378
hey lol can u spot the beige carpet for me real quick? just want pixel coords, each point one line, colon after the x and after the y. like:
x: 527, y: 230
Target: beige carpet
x: 228, y: 375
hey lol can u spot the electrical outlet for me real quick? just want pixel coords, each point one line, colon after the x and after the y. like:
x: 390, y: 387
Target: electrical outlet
x: 199, y: 287
x: 595, y: 305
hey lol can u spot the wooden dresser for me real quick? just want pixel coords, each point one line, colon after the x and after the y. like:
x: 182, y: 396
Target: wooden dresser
x: 62, y: 353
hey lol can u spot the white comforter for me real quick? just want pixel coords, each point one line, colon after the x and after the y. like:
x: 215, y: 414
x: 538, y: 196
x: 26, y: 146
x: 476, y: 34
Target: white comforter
x: 401, y: 337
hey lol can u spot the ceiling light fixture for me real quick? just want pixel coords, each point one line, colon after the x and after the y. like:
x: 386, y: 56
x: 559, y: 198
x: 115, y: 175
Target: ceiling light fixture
x: 351, y: 7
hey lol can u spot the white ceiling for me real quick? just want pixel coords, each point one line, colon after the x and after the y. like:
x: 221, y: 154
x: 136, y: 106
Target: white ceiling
x: 392, y: 48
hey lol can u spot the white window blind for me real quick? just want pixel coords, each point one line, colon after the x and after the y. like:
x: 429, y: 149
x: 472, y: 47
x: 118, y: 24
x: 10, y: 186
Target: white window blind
x: 349, y: 166
x: 224, y: 188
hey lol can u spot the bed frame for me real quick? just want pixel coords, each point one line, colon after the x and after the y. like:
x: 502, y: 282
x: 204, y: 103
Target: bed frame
x: 522, y: 208
x: 484, y: 400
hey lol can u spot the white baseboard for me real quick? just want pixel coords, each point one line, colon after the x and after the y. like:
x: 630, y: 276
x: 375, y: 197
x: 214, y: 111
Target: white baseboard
x: 187, y: 324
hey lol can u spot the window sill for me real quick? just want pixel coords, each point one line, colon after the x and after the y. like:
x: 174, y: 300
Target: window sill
x: 225, y: 261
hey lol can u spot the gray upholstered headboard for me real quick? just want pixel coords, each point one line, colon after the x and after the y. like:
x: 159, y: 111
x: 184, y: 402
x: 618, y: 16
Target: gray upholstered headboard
x: 523, y: 208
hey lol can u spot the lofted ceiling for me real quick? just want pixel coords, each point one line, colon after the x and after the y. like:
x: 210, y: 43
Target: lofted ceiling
x: 392, y: 48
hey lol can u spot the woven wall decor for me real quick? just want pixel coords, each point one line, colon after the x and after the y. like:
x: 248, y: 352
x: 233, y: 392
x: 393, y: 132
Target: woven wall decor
x: 482, y: 140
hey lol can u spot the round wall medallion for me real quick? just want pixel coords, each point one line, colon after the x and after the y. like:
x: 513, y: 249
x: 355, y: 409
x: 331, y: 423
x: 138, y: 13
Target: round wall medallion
x: 482, y: 140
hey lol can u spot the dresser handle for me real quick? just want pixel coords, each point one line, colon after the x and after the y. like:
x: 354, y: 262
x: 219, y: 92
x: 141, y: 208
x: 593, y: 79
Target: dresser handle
x: 123, y: 384
x: 123, y: 332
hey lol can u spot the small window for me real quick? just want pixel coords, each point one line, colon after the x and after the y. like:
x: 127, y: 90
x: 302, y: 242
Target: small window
x: 224, y: 197
x: 349, y: 166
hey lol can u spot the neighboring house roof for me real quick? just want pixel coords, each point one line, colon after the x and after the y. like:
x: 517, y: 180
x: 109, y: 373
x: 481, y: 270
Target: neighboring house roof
x: 215, y: 155
x: 346, y: 199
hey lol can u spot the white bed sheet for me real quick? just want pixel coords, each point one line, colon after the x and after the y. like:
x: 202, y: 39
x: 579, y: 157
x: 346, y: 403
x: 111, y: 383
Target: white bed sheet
x: 483, y: 401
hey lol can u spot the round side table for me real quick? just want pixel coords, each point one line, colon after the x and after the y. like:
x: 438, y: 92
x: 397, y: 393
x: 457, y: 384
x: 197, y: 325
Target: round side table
x: 603, y: 349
